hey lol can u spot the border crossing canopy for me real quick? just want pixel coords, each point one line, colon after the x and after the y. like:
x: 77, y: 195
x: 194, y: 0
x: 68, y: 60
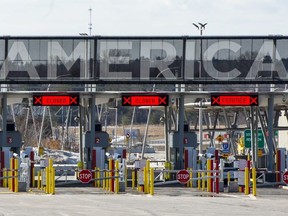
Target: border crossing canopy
x: 187, y: 60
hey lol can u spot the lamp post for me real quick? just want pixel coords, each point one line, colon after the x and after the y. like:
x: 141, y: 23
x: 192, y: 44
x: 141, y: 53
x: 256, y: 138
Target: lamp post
x: 200, y: 27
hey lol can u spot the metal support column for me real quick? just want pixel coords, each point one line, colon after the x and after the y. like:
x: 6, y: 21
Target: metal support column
x: 80, y: 111
x: 4, y: 119
x: 256, y: 138
x: 270, y: 121
x: 92, y: 119
x: 270, y: 133
x: 181, y: 130
x: 200, y: 123
x: 253, y: 132
x: 167, y: 149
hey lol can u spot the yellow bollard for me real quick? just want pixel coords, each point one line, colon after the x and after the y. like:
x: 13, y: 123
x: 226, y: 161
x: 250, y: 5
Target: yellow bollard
x: 50, y: 180
x: 38, y: 179
x: 140, y: 188
x: 117, y: 177
x: 51, y: 177
x: 98, y: 177
x: 247, y: 179
x: 199, y: 180
x: 16, y: 175
x: 191, y: 176
x: 11, y: 174
x: 107, y: 179
x: 104, y: 180
x: 53, y: 181
x: 151, y: 181
x: 47, y: 180
x: 9, y: 180
x: 50, y: 162
x: 110, y: 175
x: 166, y: 167
x: 95, y: 176
x: 133, y: 179
x: 79, y: 167
x: 208, y: 175
x: 228, y: 177
x: 147, y: 177
x: 254, y: 180
x: 169, y: 168
x: 203, y: 180
x: 33, y: 177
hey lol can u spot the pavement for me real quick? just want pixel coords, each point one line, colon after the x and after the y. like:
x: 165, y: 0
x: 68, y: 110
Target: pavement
x: 70, y: 201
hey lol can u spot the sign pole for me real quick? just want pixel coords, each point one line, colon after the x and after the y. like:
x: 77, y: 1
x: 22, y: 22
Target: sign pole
x: 256, y: 138
x: 271, y: 157
x: 167, y: 150
x: 252, y: 126
x: 254, y: 142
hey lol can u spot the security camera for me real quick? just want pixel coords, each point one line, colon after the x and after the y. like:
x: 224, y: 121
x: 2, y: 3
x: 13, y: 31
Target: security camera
x: 76, y: 118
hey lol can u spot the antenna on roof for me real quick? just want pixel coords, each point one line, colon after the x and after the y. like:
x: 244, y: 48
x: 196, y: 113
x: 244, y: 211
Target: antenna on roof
x: 90, y: 23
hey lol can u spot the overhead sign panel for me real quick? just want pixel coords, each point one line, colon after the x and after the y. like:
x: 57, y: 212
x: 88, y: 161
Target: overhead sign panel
x: 143, y: 60
x: 56, y: 100
x: 234, y: 100
x: 145, y: 100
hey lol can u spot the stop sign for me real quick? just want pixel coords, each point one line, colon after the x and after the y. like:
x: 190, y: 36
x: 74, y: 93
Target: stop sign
x: 183, y: 176
x: 85, y: 176
x: 285, y: 177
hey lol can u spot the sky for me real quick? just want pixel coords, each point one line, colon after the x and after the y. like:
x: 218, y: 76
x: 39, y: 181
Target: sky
x: 143, y: 17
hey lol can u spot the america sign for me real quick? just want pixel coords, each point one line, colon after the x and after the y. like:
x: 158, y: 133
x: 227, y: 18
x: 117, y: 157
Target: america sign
x: 171, y: 60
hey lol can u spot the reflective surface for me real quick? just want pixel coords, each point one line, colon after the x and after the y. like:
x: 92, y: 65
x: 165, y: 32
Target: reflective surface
x: 95, y: 60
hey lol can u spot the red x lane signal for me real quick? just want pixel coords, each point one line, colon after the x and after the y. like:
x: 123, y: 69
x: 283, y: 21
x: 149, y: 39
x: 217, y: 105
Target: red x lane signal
x: 145, y: 100
x: 234, y: 100
x: 56, y: 100
x: 126, y: 100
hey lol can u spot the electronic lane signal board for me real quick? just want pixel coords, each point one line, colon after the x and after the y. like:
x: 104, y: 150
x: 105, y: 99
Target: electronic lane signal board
x: 234, y: 100
x: 145, y: 100
x: 56, y: 100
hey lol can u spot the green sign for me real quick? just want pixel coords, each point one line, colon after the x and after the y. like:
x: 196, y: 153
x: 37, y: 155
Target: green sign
x: 247, y: 139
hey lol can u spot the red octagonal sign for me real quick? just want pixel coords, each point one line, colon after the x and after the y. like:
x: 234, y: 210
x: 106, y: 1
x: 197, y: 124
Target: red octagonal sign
x: 85, y: 176
x: 183, y: 176
x: 285, y: 177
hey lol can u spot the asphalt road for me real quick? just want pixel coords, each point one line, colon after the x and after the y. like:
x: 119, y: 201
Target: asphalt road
x: 165, y: 202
